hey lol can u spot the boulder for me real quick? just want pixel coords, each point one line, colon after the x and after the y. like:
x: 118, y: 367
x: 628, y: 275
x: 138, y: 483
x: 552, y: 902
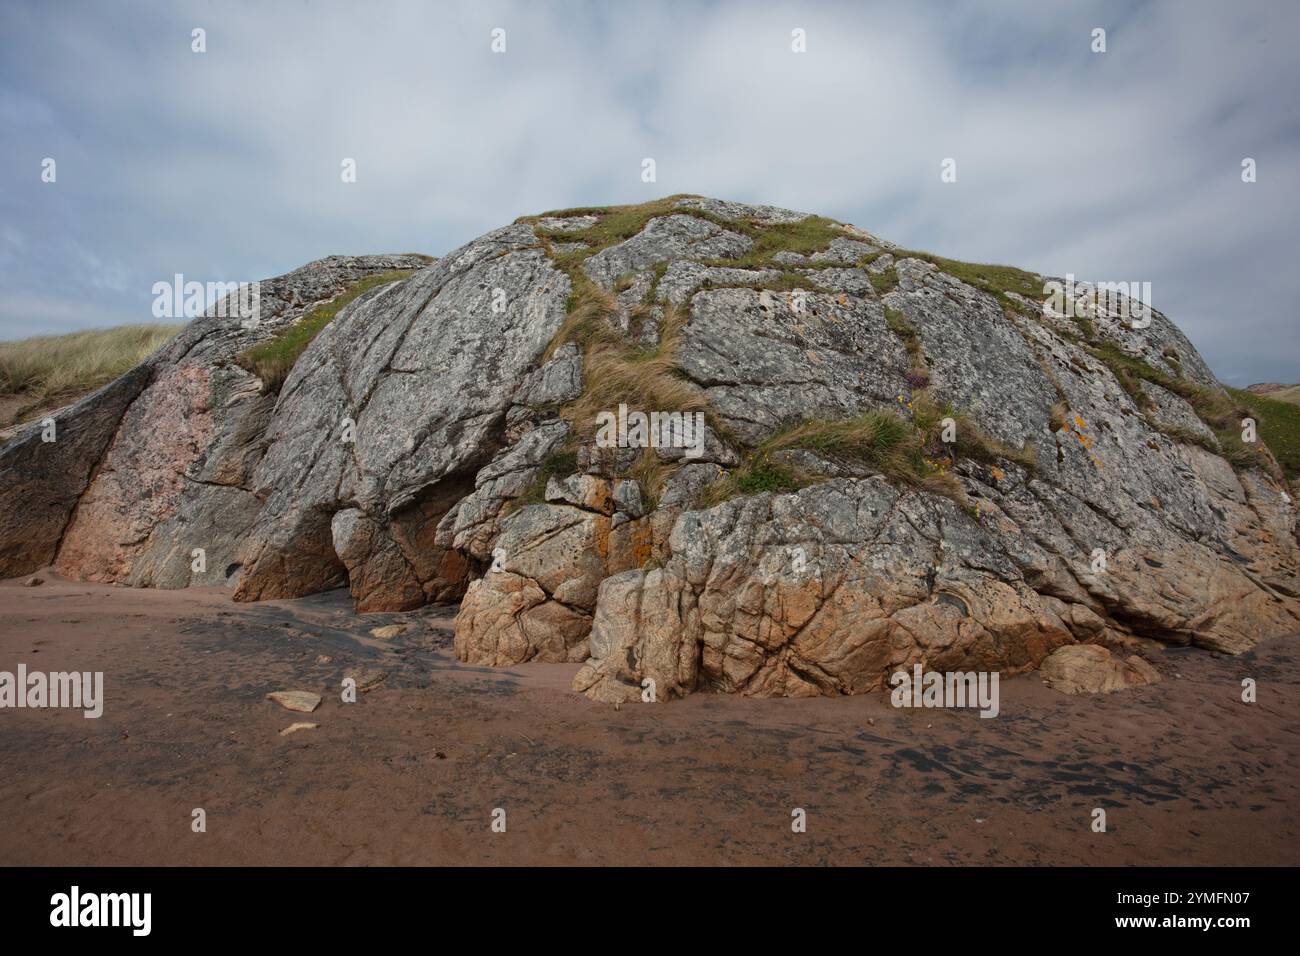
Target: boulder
x: 1090, y: 669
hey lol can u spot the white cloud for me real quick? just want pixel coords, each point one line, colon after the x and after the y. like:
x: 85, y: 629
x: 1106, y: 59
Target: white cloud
x: 1121, y: 165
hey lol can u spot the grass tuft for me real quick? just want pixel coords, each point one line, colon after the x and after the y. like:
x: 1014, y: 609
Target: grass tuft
x: 618, y: 223
x: 884, y: 281
x: 615, y: 223
x: 1220, y: 409
x: 272, y: 360
x: 813, y: 234
x: 590, y: 309
x: 905, y: 446
x: 559, y: 464
x: 996, y: 280
x: 616, y: 371
x: 900, y: 326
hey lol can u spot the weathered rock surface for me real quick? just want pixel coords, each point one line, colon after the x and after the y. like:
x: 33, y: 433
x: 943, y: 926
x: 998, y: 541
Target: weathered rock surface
x: 826, y: 591
x: 1090, y: 669
x: 303, y: 701
x: 548, y: 564
x: 423, y: 448
x: 158, y: 462
x: 425, y: 373
x: 663, y: 239
x: 764, y: 364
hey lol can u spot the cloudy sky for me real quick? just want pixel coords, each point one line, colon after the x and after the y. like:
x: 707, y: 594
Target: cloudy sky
x: 225, y: 165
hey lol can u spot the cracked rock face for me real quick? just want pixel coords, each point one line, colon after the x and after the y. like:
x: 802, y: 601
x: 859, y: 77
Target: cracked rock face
x: 764, y: 364
x: 823, y: 592
x: 425, y: 448
x: 1092, y: 669
x: 391, y: 412
x: 160, y: 462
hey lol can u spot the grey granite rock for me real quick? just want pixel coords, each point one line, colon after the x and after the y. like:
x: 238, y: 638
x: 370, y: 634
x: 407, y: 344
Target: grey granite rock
x: 766, y: 363
x: 663, y: 239
x: 768, y: 215
x: 189, y: 419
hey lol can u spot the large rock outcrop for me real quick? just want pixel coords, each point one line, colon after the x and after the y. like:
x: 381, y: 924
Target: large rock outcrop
x: 159, y: 462
x: 437, y: 440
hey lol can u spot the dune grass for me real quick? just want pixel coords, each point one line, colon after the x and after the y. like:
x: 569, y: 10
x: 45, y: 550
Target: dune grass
x: 52, y: 369
x: 1279, y: 427
x: 272, y: 360
x: 1287, y: 393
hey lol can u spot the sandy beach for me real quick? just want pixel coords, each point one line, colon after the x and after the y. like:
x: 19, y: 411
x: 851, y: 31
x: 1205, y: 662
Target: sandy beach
x: 412, y: 772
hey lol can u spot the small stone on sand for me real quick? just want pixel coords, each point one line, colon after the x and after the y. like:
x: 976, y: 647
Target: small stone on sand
x: 294, y: 728
x: 303, y: 701
x: 367, y: 678
x: 391, y: 630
